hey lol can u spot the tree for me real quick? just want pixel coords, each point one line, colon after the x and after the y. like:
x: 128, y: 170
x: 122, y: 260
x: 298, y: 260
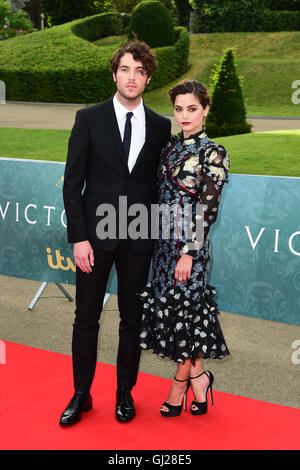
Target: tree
x: 33, y: 8
x: 227, y: 114
x: 62, y: 11
x: 12, y: 20
x: 183, y: 9
x: 125, y: 6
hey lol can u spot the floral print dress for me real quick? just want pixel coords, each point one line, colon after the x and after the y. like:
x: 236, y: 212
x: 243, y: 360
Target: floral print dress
x: 179, y: 320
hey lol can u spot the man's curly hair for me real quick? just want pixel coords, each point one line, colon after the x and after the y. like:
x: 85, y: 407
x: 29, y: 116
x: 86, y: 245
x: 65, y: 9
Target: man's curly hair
x: 140, y: 51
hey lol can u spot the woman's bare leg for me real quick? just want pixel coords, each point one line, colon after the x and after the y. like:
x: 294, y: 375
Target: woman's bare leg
x: 198, y: 385
x: 178, y: 388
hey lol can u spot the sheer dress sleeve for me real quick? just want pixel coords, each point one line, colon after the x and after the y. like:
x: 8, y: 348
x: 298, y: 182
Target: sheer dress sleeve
x: 212, y: 176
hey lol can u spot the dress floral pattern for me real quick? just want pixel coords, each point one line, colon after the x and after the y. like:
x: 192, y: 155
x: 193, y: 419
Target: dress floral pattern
x: 179, y: 320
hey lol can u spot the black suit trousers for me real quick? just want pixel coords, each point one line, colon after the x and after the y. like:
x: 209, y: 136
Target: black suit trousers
x: 132, y: 273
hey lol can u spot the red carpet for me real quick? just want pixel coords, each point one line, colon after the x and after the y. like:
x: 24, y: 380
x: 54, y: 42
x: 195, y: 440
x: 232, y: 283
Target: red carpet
x: 36, y: 385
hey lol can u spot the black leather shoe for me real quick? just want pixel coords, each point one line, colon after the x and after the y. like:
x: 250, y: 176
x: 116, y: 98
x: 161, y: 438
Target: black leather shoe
x: 72, y: 414
x: 125, y: 410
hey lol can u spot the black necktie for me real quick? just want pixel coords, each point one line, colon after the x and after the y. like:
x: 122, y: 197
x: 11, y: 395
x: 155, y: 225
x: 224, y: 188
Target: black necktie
x: 127, y: 134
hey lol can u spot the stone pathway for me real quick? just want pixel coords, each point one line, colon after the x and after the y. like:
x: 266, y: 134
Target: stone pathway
x: 40, y: 116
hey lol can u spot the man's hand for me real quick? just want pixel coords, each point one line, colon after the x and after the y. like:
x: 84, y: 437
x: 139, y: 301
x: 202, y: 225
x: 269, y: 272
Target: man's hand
x: 84, y: 256
x: 183, y: 268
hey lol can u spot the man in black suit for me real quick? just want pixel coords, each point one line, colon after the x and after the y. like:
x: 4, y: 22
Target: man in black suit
x: 113, y: 156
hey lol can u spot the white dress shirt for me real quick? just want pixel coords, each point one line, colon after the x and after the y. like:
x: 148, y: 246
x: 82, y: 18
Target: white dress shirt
x: 138, y: 126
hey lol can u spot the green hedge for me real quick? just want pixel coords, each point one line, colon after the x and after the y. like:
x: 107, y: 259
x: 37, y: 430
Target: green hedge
x: 245, y: 15
x: 57, y: 66
x: 281, y: 21
x: 291, y: 5
x: 97, y: 27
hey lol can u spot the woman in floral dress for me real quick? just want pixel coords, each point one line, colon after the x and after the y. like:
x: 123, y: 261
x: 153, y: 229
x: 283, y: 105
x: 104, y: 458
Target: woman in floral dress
x: 180, y: 317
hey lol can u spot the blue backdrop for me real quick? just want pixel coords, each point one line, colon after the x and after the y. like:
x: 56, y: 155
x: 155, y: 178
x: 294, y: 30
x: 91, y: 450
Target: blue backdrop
x: 255, y: 241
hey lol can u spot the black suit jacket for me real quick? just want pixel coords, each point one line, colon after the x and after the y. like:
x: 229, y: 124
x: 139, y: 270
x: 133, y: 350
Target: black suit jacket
x: 97, y: 173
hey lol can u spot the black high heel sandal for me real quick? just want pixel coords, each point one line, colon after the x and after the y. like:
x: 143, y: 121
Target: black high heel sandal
x: 202, y: 406
x: 175, y: 410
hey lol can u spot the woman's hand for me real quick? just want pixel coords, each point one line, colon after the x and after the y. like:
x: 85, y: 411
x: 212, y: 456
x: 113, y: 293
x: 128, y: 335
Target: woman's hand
x: 183, y: 268
x: 84, y: 256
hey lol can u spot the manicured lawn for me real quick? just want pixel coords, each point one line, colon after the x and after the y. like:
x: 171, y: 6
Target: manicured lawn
x: 262, y: 153
x: 35, y: 144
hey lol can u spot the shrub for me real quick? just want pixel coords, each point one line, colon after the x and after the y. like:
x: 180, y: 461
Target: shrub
x: 227, y: 114
x: 287, y: 5
x: 243, y: 15
x: 12, y: 23
x: 280, y: 21
x: 152, y: 23
x: 99, y: 26
x: 57, y: 66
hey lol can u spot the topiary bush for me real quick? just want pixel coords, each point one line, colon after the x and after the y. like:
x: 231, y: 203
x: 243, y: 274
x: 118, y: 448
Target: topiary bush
x: 227, y: 114
x: 152, y: 23
x: 99, y: 26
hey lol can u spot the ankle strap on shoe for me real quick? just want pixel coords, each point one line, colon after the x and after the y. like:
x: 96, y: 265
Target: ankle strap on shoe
x: 196, y: 377
x: 177, y: 380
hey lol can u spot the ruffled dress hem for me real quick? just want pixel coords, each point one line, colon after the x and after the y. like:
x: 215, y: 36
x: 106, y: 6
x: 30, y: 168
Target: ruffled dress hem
x: 179, y: 328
